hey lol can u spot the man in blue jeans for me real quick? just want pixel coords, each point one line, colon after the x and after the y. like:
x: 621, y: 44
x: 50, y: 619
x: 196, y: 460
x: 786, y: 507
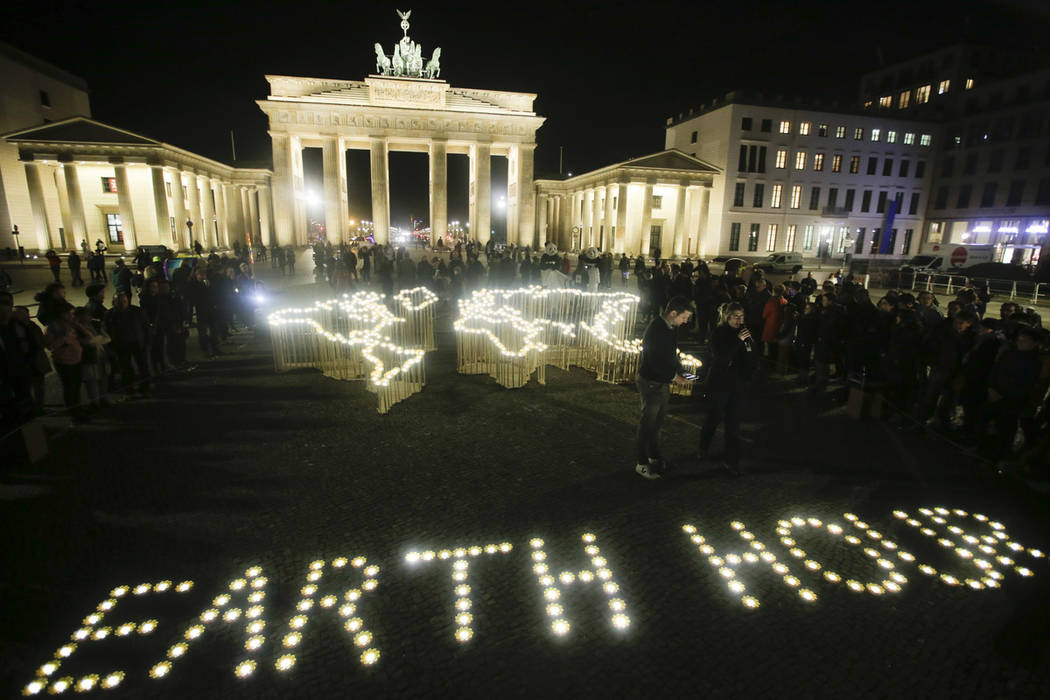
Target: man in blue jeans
x: 659, y: 367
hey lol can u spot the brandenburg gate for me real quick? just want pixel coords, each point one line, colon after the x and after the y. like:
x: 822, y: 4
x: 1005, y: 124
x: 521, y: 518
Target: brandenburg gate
x: 404, y: 106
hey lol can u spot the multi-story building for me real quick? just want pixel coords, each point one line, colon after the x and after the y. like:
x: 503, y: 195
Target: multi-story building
x: 66, y: 179
x: 33, y: 92
x: 991, y: 181
x: 931, y: 85
x: 809, y: 180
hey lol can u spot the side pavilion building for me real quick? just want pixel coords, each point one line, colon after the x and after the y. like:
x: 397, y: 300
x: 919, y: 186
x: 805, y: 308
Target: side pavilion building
x: 659, y: 201
x: 86, y: 180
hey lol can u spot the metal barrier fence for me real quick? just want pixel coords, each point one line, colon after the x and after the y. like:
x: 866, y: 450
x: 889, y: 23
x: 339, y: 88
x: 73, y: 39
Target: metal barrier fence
x: 1015, y: 290
x: 358, y: 337
x: 512, y: 335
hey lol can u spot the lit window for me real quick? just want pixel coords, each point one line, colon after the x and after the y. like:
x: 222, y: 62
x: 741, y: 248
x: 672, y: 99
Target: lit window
x: 785, y: 127
x: 109, y: 185
x: 796, y: 196
x: 800, y: 160
x: 807, y: 237
x: 867, y: 104
x: 922, y: 95
x: 777, y: 191
x: 909, y: 138
x: 904, y: 100
x: 658, y: 201
x: 942, y: 87
x: 822, y: 130
x: 876, y: 134
x: 969, y: 83
x: 782, y: 156
x: 840, y: 132
x: 886, y: 101
x: 891, y: 137
x: 803, y: 128
x: 789, y: 241
x: 924, y: 140
x: 836, y: 163
x: 854, y: 164
x: 818, y: 161
x: 771, y: 238
x: 858, y: 134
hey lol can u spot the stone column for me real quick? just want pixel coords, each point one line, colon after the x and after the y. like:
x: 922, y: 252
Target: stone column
x: 221, y: 231
x: 526, y: 196
x: 596, y: 217
x: 282, y: 188
x: 542, y: 227
x: 298, y: 190
x: 246, y: 216
x: 681, y: 192
x: 702, y: 228
x: 64, y: 233
x: 647, y: 218
x: 265, y: 221
x: 36, y: 202
x: 621, y: 214
x: 234, y: 213
x: 76, y: 204
x: 513, y: 208
x: 127, y: 215
x: 587, y: 216
x: 438, y: 190
x: 609, y: 241
x: 481, y: 192
x: 380, y: 189
x: 178, y: 199
x: 210, y: 198
x: 253, y: 212
x: 199, y: 232
x: 334, y: 178
x: 160, y: 205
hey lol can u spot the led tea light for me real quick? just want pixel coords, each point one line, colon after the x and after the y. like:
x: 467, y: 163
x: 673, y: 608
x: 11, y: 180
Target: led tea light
x: 93, y: 632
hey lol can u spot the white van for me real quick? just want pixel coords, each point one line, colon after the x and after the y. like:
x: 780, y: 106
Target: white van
x: 781, y: 262
x: 950, y: 257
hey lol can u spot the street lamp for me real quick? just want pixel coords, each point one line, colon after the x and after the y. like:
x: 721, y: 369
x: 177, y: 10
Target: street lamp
x: 18, y: 247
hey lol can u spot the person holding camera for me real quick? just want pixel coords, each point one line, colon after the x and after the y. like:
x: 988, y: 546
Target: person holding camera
x: 733, y: 360
x: 659, y: 366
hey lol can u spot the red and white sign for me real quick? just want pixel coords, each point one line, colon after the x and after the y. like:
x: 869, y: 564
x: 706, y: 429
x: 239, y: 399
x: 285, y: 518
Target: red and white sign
x: 959, y: 255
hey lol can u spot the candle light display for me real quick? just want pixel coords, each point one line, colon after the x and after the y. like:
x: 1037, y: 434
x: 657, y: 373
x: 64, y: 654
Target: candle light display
x: 461, y: 608
x: 979, y: 554
x: 357, y: 337
x: 512, y: 335
x: 91, y: 631
x: 351, y: 597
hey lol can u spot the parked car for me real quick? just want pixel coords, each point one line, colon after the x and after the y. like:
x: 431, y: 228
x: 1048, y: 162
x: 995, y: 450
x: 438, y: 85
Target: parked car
x: 730, y: 265
x: 781, y: 262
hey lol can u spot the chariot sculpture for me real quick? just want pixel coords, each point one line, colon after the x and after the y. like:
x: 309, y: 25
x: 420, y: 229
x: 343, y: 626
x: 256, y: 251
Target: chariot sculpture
x: 407, y: 60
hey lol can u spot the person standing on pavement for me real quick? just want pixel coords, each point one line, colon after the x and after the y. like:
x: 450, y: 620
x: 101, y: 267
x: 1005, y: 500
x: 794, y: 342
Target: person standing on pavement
x: 128, y: 330
x: 55, y: 264
x: 659, y: 366
x: 74, y: 269
x: 733, y: 360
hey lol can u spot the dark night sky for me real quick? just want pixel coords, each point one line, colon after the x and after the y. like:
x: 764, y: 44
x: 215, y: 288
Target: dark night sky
x: 607, y: 73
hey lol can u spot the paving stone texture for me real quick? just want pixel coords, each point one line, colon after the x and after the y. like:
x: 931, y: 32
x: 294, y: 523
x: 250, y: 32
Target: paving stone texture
x: 232, y: 466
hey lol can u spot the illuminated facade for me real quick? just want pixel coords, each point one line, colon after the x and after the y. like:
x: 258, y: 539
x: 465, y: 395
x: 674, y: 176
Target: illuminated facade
x: 992, y: 176
x: 90, y: 181
x: 383, y: 114
x: 32, y: 92
x: 660, y: 201
x: 812, y: 181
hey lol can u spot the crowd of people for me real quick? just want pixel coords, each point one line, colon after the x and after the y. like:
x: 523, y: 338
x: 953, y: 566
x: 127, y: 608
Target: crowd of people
x: 98, y: 350
x: 971, y: 371
x: 964, y: 370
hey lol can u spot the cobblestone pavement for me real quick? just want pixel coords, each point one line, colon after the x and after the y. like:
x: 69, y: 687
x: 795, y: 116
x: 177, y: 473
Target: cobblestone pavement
x: 232, y: 466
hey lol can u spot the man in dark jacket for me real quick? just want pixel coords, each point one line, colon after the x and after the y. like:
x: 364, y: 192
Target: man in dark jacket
x: 201, y: 296
x: 74, y: 269
x: 733, y: 360
x: 658, y: 367
x: 947, y: 347
x: 127, y: 328
x: 1010, y: 387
